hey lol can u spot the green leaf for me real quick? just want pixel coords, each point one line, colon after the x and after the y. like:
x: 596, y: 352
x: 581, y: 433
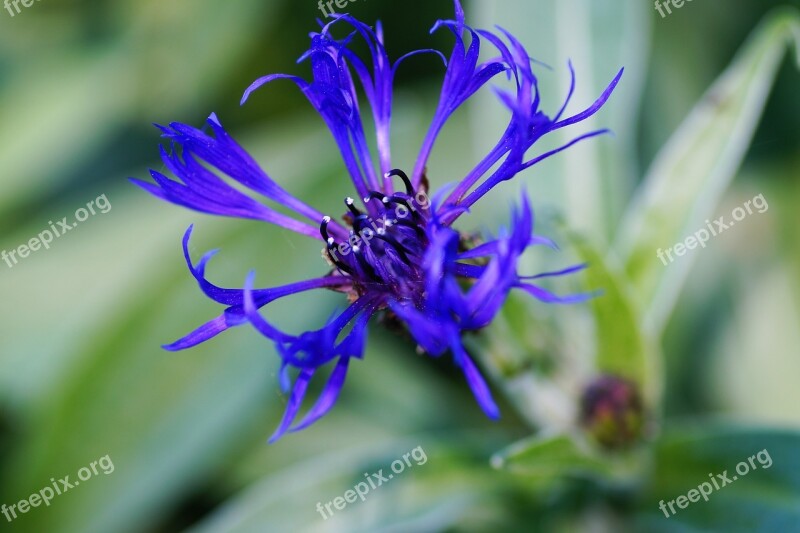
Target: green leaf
x: 548, y: 458
x: 430, y: 495
x: 690, y: 174
x: 622, y: 346
x: 764, y: 495
x: 99, y: 93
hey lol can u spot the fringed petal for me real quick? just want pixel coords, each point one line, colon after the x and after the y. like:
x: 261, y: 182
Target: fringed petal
x: 294, y: 403
x: 203, y: 190
x: 475, y: 381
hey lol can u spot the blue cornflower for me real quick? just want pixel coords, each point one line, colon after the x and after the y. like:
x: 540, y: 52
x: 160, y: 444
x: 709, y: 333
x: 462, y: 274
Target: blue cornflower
x: 396, y: 251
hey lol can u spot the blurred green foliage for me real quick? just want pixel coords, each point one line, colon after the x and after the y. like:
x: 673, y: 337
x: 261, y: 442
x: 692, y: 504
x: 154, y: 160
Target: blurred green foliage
x: 82, y: 374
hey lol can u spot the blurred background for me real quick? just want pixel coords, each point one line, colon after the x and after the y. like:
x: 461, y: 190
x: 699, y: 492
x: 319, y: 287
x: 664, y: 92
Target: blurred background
x: 82, y: 374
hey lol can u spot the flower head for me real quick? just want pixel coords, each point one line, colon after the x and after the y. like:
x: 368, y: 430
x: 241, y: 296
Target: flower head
x: 396, y: 250
x: 613, y: 412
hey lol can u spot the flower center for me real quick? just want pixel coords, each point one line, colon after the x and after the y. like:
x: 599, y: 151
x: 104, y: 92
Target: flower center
x: 387, y: 242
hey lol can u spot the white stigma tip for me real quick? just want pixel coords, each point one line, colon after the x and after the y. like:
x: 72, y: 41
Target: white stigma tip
x: 326, y: 219
x: 349, y: 201
x: 330, y: 241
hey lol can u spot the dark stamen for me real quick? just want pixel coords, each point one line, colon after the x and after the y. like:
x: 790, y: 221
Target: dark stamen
x: 359, y: 219
x: 402, y: 175
x: 323, y: 227
x: 395, y: 199
x: 373, y: 195
x: 331, y: 246
x: 350, y: 203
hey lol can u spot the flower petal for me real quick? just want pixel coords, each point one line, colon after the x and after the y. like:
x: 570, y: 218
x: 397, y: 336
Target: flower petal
x: 463, y: 78
x: 328, y: 396
x: 295, y: 401
x: 203, y: 190
x: 205, y: 332
x: 548, y: 297
x: 475, y: 380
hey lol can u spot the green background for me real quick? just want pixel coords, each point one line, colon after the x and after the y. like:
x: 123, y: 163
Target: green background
x: 81, y: 371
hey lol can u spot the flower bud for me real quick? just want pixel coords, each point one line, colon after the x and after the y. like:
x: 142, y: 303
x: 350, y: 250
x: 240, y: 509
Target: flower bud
x: 612, y: 412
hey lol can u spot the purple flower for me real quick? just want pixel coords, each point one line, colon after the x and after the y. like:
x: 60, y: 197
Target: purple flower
x: 396, y: 251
